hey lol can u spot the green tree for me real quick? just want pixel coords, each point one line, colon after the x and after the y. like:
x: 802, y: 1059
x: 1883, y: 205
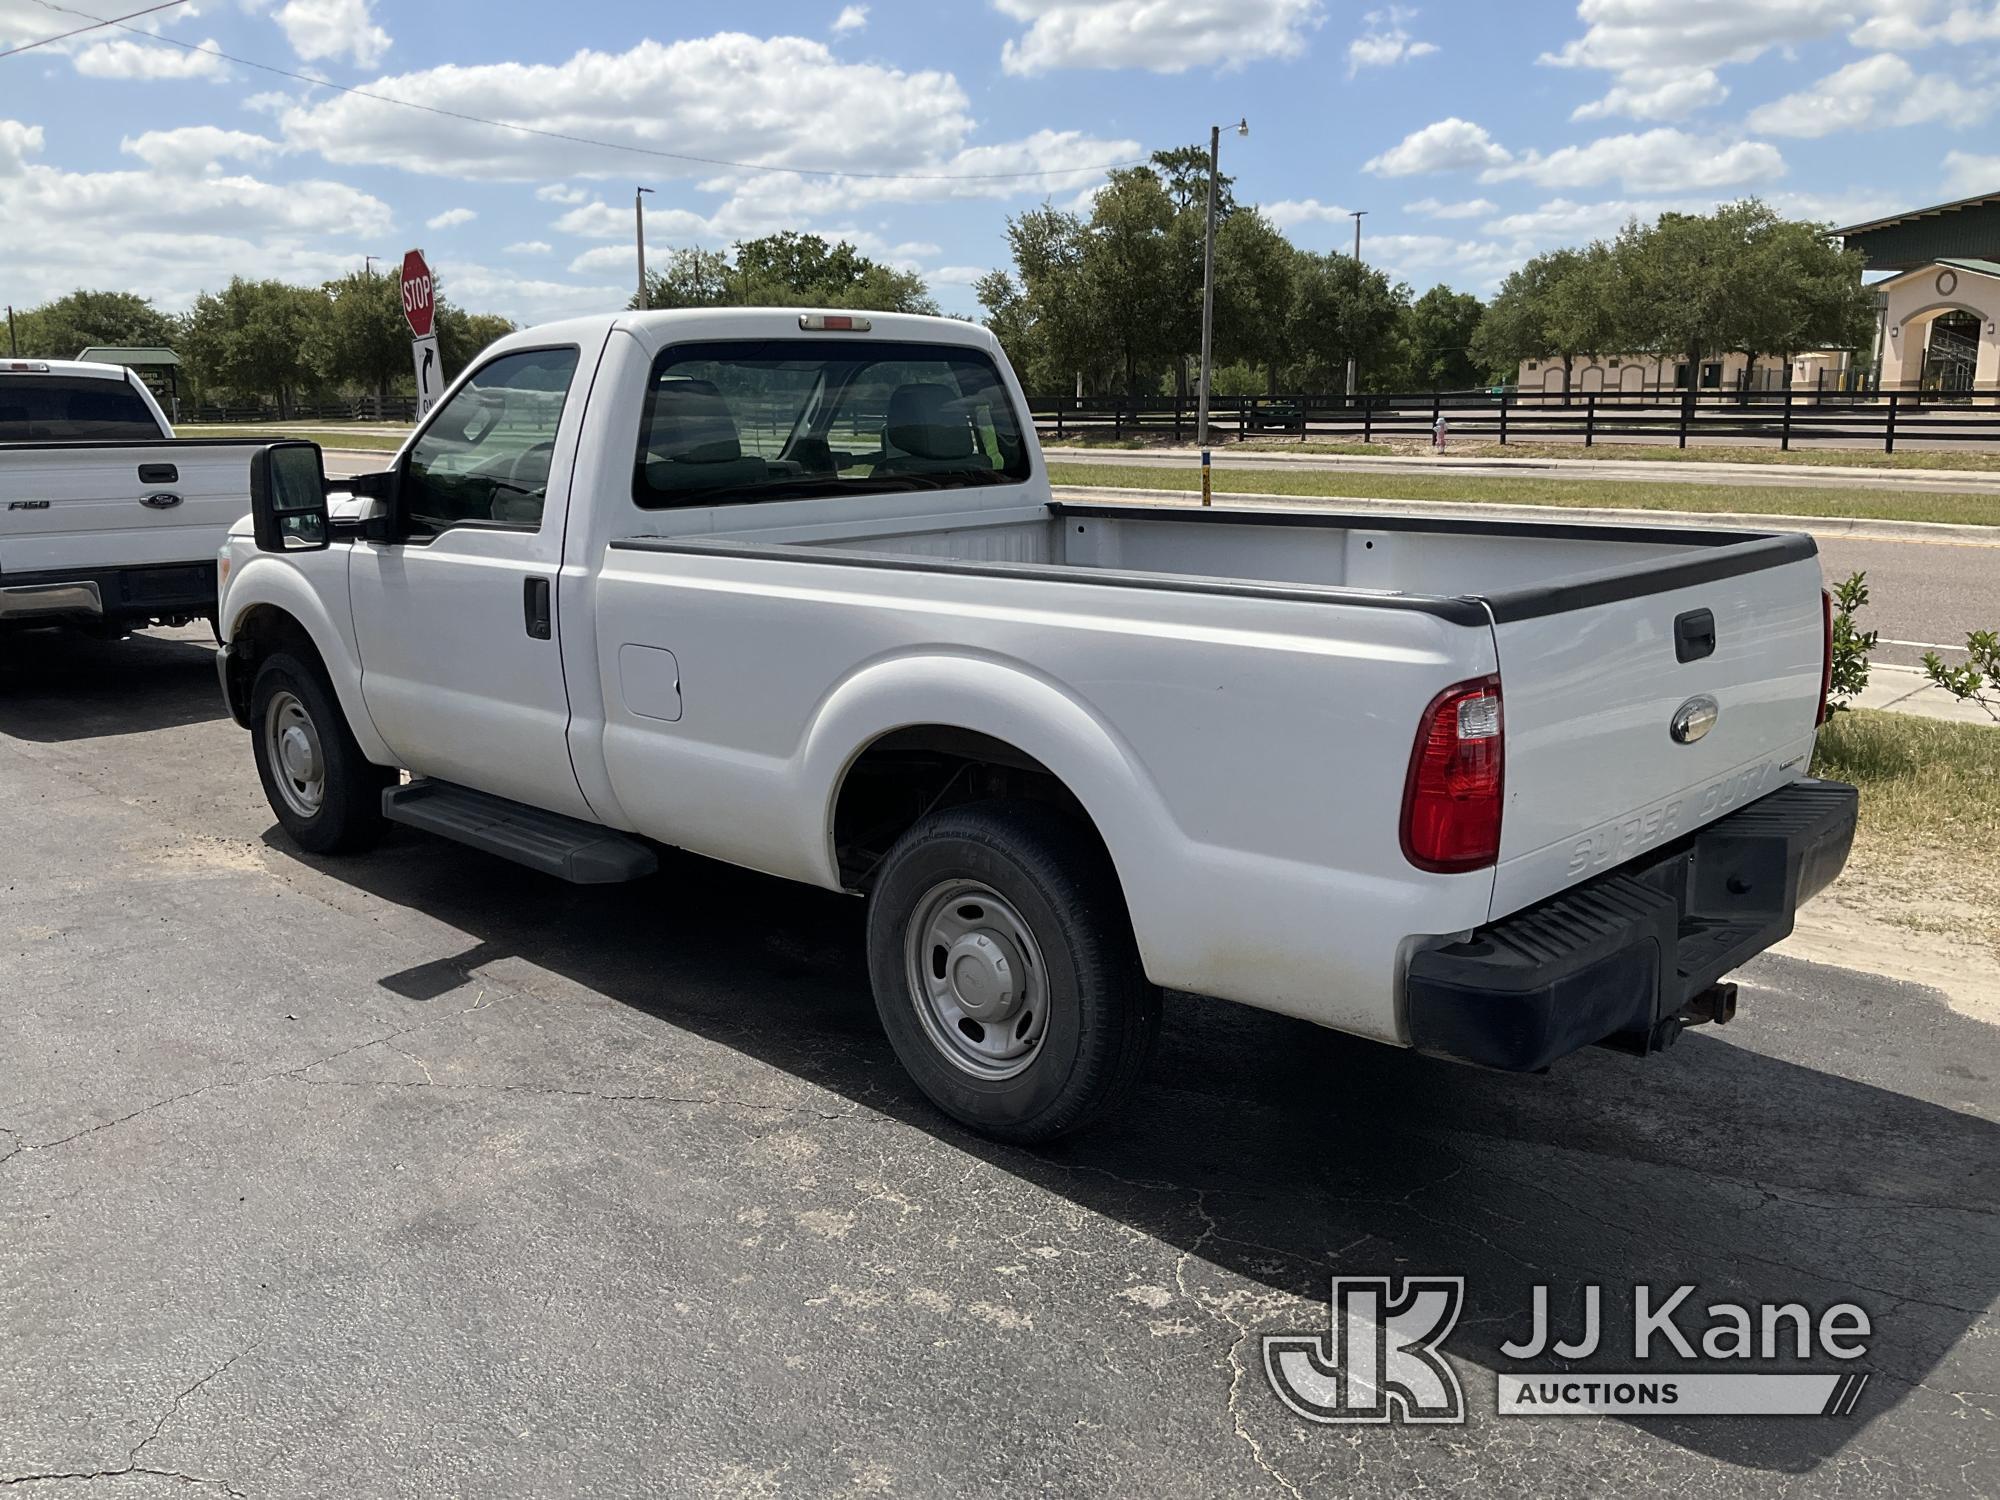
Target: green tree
x: 1561, y: 305
x: 1129, y: 271
x: 1341, y: 308
x: 691, y: 277
x: 1255, y: 270
x: 65, y: 327
x: 256, y: 338
x: 462, y: 335
x: 362, y: 341
x: 1055, y: 316
x: 1437, y: 337
x: 1183, y: 172
x: 1809, y: 293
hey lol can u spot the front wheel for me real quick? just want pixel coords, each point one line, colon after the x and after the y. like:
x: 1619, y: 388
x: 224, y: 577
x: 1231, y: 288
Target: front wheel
x: 1005, y: 972
x: 325, y: 792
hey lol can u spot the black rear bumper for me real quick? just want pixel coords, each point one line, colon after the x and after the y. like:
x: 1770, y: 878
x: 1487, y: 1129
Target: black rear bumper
x: 158, y: 591
x: 1615, y: 960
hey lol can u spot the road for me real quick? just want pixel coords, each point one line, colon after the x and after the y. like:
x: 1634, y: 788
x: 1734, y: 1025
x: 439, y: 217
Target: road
x: 415, y: 1174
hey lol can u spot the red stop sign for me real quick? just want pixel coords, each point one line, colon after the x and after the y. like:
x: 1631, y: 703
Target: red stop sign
x: 418, y: 302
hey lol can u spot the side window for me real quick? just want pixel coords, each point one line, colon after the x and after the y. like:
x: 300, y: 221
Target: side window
x: 484, y: 459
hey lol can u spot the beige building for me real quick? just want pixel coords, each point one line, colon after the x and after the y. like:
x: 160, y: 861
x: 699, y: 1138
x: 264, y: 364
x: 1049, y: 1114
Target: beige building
x: 1827, y: 369
x: 1935, y: 328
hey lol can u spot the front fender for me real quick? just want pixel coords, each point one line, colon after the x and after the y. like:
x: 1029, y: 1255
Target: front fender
x: 310, y: 588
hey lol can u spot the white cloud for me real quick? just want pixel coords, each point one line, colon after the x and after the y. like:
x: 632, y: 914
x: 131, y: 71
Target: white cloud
x: 1876, y: 91
x: 1626, y: 35
x: 195, y: 148
x: 851, y: 18
x: 1656, y: 94
x: 334, y: 28
x: 1964, y: 172
x: 1290, y: 212
x: 729, y: 96
x: 1564, y: 221
x: 529, y: 247
x: 1655, y: 161
x: 1160, y: 36
x: 1432, y: 208
x: 956, y: 275
x: 169, y: 236
x: 124, y: 58
x: 604, y: 258
x: 1907, y: 26
x: 527, y: 299
x: 560, y: 192
x: 451, y: 218
x: 271, y: 102
x: 1386, y: 42
x: 1439, y: 147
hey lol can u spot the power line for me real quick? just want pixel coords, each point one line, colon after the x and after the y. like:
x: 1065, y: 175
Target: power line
x: 94, y: 25
x: 584, y: 140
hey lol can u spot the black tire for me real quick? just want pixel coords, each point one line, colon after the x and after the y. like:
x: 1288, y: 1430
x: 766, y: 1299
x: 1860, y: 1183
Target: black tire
x: 1102, y: 1015
x: 347, y: 815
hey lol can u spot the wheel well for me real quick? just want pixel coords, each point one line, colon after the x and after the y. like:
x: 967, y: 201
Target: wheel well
x: 911, y: 772
x: 263, y: 630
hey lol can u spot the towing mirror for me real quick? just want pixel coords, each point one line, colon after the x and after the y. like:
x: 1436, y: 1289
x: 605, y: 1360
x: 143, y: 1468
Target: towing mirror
x: 288, y: 498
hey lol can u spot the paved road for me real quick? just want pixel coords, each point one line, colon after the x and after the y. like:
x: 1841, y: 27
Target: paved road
x: 1921, y: 594
x: 414, y: 1174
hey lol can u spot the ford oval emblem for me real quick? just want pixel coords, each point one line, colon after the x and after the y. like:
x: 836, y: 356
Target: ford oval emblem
x: 162, y: 501
x: 1694, y: 718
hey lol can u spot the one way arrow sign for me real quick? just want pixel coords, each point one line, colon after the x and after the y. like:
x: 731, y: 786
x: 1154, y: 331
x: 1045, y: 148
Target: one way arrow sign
x: 430, y: 374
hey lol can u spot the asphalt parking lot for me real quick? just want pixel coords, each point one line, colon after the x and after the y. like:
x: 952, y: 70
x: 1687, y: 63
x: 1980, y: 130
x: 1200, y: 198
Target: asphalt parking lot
x: 418, y: 1174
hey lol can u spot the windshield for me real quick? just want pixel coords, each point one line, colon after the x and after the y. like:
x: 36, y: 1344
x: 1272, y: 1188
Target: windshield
x: 70, y: 408
x: 799, y: 418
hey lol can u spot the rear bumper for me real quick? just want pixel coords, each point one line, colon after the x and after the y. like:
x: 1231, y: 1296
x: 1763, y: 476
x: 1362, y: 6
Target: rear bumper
x: 156, y: 591
x: 1616, y: 960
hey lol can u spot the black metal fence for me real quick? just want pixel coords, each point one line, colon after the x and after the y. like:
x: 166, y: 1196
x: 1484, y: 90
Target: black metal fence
x: 357, y: 409
x: 1806, y: 416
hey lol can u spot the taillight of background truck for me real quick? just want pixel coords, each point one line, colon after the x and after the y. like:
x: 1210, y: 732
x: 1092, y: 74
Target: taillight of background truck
x: 1451, y: 798
x: 1825, y: 654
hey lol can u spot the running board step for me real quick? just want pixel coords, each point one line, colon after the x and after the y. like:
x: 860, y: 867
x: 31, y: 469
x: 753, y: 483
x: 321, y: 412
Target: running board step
x: 567, y: 848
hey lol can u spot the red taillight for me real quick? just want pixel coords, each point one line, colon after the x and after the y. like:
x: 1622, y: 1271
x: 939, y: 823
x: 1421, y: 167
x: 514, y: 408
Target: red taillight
x: 1451, y: 800
x: 1825, y: 655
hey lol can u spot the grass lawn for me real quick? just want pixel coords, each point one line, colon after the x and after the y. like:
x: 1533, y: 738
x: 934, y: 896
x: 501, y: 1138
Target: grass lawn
x: 1929, y: 840
x: 1883, y: 504
x: 326, y: 437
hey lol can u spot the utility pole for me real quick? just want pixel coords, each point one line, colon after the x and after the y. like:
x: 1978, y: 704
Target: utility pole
x: 368, y: 265
x: 1208, y: 300
x: 13, y: 344
x: 1356, y: 216
x: 639, y: 228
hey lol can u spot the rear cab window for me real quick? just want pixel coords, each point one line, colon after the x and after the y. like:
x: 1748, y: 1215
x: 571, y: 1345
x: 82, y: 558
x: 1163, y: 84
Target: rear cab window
x: 788, y: 419
x: 48, y: 408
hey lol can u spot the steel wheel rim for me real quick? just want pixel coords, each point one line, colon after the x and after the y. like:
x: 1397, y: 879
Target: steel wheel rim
x: 298, y: 763
x: 977, y: 979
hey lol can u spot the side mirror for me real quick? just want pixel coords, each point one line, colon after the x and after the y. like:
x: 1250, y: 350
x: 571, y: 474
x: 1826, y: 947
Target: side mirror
x: 288, y: 498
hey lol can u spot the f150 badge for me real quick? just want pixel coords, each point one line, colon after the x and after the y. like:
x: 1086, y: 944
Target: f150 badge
x: 27, y: 505
x: 1693, y: 719
x: 162, y: 501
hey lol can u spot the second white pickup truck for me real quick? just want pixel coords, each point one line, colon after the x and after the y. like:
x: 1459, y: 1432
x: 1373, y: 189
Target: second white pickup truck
x: 791, y: 590
x: 107, y: 521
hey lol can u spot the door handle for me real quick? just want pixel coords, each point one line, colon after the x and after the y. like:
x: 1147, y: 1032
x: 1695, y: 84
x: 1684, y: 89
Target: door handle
x: 159, y: 474
x: 535, y: 609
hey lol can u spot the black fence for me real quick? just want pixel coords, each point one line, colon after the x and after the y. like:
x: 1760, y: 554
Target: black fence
x: 1807, y: 416
x: 358, y: 409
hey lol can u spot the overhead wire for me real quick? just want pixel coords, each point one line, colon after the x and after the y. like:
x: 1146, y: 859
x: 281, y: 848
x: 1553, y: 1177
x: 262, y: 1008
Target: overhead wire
x: 95, y: 25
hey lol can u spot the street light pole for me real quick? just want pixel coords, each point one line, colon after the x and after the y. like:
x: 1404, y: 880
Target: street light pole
x: 1356, y: 216
x: 13, y: 344
x: 1208, y: 299
x: 639, y: 230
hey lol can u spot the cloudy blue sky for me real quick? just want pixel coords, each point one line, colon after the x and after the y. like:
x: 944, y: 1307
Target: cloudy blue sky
x: 1473, y: 133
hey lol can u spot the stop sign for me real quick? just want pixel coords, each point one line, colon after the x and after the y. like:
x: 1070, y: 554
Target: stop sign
x: 418, y: 303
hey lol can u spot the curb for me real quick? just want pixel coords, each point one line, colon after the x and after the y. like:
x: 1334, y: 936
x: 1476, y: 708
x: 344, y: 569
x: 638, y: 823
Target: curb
x: 1947, y: 532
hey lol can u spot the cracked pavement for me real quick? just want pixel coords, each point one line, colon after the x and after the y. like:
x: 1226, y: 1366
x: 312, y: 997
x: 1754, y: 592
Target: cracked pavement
x: 417, y: 1174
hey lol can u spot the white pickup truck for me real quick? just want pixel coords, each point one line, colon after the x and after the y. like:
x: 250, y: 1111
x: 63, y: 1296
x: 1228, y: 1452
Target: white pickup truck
x: 107, y: 521
x: 791, y: 590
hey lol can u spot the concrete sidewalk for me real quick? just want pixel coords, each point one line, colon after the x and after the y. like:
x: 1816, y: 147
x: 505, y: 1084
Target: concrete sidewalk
x: 1905, y: 690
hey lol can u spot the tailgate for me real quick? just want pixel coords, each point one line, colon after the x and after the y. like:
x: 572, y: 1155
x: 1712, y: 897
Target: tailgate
x: 101, y: 506
x: 1594, y: 674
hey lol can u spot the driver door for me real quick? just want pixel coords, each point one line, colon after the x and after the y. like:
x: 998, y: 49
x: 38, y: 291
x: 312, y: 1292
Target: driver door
x: 454, y: 616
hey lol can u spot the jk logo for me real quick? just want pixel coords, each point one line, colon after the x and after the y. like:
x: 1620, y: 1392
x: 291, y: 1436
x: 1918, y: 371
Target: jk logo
x: 1379, y: 1363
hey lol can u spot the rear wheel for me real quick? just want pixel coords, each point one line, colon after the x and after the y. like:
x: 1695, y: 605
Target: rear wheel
x: 1005, y: 972
x: 324, y: 791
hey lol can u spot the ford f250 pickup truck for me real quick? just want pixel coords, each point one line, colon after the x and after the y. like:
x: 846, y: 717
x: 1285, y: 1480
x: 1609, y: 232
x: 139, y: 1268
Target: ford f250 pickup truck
x: 791, y: 590
x: 107, y: 521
